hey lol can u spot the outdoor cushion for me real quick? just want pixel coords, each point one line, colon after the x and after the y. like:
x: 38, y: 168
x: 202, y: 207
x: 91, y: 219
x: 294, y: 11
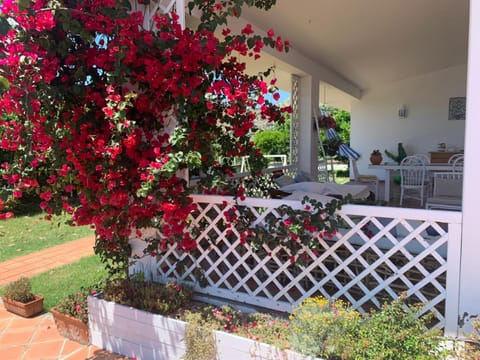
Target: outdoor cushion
x: 284, y: 180
x: 300, y: 195
x: 303, y: 176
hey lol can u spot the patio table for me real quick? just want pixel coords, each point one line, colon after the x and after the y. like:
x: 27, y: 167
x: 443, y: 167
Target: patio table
x: 390, y: 167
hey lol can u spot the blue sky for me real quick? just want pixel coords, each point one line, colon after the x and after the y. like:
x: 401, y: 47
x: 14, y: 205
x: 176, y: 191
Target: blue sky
x: 284, y: 95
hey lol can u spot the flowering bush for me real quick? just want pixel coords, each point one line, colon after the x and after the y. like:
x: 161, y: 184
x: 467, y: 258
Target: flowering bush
x: 75, y: 305
x: 102, y: 113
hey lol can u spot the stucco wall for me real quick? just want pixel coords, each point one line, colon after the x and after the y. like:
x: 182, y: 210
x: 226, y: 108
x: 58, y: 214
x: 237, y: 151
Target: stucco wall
x: 375, y: 123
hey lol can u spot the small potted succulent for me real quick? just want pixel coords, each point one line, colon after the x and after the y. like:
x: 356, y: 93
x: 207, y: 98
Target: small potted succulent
x: 376, y: 157
x: 19, y: 299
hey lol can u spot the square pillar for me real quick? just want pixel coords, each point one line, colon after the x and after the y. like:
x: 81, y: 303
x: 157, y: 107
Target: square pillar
x: 308, y: 96
x: 469, y: 290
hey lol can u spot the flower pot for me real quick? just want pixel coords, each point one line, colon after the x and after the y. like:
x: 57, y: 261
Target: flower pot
x: 70, y: 327
x: 376, y: 159
x: 27, y: 310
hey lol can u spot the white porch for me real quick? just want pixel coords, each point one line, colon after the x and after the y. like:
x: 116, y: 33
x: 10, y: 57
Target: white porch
x: 415, y: 69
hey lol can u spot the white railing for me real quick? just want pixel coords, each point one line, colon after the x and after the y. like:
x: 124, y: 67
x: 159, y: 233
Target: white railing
x: 378, y: 253
x: 275, y: 161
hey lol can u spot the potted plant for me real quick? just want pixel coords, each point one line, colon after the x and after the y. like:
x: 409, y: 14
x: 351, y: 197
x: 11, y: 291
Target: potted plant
x: 376, y: 157
x: 71, y: 316
x: 19, y: 299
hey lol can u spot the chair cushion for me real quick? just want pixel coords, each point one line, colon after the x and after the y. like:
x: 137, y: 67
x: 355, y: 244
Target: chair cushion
x: 448, y: 187
x: 447, y: 202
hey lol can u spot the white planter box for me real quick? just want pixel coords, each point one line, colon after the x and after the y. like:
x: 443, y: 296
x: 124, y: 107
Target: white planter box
x: 146, y: 336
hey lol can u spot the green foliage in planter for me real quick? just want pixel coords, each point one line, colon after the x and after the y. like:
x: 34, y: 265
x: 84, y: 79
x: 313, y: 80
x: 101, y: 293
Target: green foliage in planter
x: 261, y: 327
x: 19, y: 290
x: 267, y: 329
x: 199, y: 338
x: 333, y: 330
x: 154, y: 297
x: 395, y: 333
x: 75, y: 305
x: 319, y: 325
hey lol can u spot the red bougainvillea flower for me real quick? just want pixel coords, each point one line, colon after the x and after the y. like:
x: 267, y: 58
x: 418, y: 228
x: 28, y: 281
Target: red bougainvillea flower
x: 102, y: 114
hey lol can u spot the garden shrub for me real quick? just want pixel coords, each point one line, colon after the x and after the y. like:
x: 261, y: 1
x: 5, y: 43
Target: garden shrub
x: 394, y: 333
x: 318, y: 326
x: 199, y: 338
x: 333, y: 330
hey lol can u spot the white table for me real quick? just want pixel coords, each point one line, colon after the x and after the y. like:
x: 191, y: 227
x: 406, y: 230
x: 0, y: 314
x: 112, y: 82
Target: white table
x: 390, y: 167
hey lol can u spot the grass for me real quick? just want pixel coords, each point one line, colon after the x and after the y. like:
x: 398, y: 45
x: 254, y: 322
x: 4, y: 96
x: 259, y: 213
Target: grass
x: 57, y: 283
x: 28, y: 233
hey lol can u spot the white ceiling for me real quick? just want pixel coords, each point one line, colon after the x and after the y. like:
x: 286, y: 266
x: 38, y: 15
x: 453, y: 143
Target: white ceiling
x: 372, y: 42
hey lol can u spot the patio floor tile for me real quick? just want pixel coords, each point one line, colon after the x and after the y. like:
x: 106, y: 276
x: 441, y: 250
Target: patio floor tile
x: 19, y: 322
x: 71, y: 348
x: 47, y: 350
x: 16, y: 336
x: 78, y: 354
x: 11, y: 352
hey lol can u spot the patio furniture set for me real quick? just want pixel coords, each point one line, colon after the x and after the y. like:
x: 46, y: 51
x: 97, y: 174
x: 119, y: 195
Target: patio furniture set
x: 437, y: 185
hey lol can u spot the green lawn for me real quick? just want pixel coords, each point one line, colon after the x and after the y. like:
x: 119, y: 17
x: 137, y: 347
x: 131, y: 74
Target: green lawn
x: 57, y: 283
x: 25, y: 234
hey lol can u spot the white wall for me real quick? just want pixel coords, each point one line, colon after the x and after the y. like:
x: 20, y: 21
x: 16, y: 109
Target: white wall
x: 375, y: 123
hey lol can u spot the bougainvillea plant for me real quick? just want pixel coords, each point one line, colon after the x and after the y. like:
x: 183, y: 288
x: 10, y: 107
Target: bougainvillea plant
x: 101, y: 113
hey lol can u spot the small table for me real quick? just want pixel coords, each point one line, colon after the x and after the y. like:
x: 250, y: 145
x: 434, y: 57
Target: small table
x: 389, y: 167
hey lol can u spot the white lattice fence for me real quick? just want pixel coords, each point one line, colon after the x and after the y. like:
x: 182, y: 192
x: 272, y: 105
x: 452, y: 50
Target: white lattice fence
x: 378, y: 253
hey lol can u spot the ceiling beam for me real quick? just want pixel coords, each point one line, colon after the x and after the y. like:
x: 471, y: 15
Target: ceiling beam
x: 304, y: 64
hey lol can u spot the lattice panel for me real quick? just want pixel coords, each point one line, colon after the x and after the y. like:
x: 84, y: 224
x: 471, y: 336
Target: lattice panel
x: 371, y: 260
x: 150, y: 8
x: 295, y: 120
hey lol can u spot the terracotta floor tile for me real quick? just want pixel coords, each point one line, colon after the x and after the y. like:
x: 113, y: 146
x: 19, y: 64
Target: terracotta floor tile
x: 49, y: 350
x: 16, y: 336
x: 48, y: 321
x: 19, y: 322
x: 80, y: 354
x: 4, y: 324
x: 45, y: 334
x: 71, y: 347
x: 11, y: 352
x: 4, y: 314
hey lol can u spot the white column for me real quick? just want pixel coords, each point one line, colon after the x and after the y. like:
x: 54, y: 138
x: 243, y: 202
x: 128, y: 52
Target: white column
x: 307, y: 137
x: 469, y: 298
x: 180, y: 10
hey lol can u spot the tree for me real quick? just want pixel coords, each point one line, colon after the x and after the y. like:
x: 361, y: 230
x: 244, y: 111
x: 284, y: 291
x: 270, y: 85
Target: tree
x: 274, y: 141
x: 101, y: 114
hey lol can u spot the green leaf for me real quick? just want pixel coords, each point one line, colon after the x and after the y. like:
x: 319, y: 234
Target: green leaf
x: 4, y: 25
x: 24, y: 4
x: 4, y: 83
